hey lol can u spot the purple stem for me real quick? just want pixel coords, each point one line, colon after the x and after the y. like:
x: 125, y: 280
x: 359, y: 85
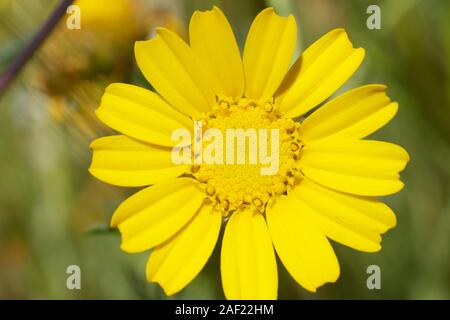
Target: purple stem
x: 17, y: 64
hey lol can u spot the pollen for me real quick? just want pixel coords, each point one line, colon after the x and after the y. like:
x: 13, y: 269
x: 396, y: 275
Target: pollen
x: 232, y: 186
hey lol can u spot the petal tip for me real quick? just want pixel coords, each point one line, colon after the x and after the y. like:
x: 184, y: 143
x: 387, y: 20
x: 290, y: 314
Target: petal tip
x: 138, y: 45
x: 162, y: 31
x: 268, y: 9
x: 166, y: 289
x: 214, y: 8
x: 124, y: 247
x: 394, y: 222
x: 375, y: 87
x: 217, y: 9
x: 361, y: 52
x: 115, y: 222
x: 92, y: 171
x: 407, y: 156
x: 129, y: 248
x: 141, y: 45
x: 99, y: 114
x: 93, y: 145
x: 112, y: 86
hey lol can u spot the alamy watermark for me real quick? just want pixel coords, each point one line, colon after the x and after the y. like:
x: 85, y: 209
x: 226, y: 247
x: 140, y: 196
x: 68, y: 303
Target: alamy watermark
x: 374, y: 20
x: 238, y: 146
x: 73, y: 281
x: 374, y: 280
x: 74, y: 19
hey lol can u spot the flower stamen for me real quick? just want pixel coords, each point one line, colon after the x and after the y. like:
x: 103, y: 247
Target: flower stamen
x: 238, y: 185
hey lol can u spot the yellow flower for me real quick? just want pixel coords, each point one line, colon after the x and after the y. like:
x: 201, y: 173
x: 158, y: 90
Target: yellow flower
x: 328, y: 175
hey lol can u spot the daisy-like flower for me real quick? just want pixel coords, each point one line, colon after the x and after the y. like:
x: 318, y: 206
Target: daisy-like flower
x: 328, y: 177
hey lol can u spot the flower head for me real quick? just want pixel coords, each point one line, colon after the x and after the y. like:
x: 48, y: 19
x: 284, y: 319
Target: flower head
x: 326, y: 179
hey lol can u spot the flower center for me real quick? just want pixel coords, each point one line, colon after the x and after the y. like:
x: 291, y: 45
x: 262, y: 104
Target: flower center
x: 260, y: 149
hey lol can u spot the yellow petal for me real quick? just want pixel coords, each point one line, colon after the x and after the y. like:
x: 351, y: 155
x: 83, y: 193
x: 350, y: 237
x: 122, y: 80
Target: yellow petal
x: 175, y: 71
x: 248, y: 264
x: 318, y: 73
x: 302, y: 247
x: 213, y: 40
x: 354, y: 221
x: 354, y: 114
x: 360, y: 167
x: 123, y: 161
x: 140, y: 114
x: 268, y: 53
x: 176, y: 262
x: 153, y: 215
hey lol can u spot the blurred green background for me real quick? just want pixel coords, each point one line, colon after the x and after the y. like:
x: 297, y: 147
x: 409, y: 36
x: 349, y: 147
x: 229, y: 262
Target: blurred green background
x: 54, y: 214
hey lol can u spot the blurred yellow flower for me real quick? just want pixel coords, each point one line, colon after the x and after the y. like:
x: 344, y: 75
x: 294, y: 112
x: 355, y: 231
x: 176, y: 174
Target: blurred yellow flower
x: 328, y: 176
x: 99, y: 12
x: 100, y: 48
x: 76, y: 65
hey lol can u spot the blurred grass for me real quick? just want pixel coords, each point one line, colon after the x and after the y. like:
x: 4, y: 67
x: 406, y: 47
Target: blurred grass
x: 54, y: 214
